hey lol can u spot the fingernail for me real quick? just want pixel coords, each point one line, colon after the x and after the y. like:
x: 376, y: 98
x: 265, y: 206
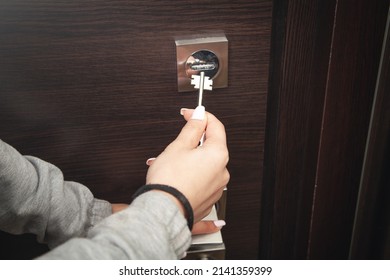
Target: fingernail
x: 219, y: 223
x: 199, y: 113
x: 149, y: 161
x: 182, y: 111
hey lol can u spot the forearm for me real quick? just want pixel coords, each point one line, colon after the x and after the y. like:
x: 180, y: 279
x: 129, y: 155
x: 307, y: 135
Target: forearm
x: 34, y: 198
x: 152, y: 227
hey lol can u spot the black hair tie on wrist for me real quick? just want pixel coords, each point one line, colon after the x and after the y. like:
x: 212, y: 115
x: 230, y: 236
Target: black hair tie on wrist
x: 183, y: 200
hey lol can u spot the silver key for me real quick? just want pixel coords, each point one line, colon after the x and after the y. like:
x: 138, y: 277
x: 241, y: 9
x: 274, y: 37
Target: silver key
x: 201, y: 82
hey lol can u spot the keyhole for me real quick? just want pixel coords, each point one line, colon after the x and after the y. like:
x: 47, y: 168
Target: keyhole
x: 202, y: 60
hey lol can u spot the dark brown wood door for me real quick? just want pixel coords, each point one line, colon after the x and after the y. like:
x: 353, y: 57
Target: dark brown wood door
x: 325, y: 61
x: 90, y: 86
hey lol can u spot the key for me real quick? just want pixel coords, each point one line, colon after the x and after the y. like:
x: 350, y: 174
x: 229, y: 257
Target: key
x: 202, y: 83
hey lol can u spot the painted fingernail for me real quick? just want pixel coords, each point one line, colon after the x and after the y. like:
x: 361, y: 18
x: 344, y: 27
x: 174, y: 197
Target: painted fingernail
x: 219, y: 223
x: 150, y: 161
x: 199, y: 113
x: 182, y: 111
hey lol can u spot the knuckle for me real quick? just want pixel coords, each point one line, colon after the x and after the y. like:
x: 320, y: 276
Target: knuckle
x: 226, y: 156
x: 226, y: 177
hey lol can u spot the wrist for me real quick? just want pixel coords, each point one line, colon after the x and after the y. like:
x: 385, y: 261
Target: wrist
x: 176, y: 196
x: 175, y: 200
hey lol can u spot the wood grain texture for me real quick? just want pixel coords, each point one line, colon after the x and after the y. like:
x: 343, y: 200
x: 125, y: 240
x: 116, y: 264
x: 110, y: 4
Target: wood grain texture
x: 372, y: 223
x: 353, y: 70
x: 90, y: 86
x: 324, y: 64
x: 301, y: 40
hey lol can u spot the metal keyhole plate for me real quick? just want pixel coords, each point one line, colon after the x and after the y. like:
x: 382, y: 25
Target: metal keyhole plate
x: 202, y: 53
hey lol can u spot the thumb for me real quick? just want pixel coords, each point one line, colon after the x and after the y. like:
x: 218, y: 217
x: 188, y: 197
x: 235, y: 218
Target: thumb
x: 192, y: 132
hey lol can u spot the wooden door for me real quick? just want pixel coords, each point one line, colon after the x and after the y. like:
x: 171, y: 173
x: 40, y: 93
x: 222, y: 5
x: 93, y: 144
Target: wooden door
x: 325, y: 61
x: 90, y: 86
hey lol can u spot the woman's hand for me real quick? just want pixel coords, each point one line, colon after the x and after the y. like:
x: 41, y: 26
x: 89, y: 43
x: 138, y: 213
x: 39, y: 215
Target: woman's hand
x: 206, y: 227
x: 199, y: 172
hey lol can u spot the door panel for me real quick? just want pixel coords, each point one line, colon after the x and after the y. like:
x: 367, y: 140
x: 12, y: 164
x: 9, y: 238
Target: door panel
x: 324, y: 66
x: 91, y: 87
x: 351, y: 85
x: 371, y: 233
x: 301, y: 41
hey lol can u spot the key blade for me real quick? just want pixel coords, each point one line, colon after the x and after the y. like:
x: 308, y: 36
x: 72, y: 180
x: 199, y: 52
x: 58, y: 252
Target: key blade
x: 201, y: 87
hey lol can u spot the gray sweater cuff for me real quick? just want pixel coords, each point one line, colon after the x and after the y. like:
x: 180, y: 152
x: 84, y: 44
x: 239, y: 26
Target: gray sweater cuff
x: 152, y: 227
x: 162, y: 211
x: 99, y: 210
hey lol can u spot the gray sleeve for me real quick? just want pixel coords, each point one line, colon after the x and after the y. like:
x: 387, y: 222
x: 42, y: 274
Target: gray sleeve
x: 152, y: 227
x: 34, y: 198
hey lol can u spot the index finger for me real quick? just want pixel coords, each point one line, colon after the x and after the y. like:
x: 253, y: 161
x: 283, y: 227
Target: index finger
x: 215, y: 130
